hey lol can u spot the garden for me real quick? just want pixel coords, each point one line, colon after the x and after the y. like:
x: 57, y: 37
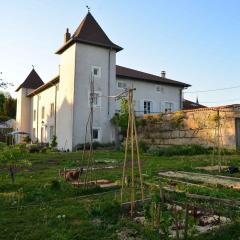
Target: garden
x: 184, y: 198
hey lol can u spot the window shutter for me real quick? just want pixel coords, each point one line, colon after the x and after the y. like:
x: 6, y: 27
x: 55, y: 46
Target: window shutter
x: 154, y: 107
x: 141, y: 107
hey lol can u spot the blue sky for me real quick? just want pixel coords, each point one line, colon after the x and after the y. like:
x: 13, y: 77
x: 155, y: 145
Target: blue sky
x: 194, y: 41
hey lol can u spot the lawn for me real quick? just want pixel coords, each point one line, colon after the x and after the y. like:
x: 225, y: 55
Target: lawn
x: 41, y: 205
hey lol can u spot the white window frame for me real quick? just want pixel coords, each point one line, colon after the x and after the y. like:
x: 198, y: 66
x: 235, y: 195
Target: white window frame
x: 122, y: 82
x: 172, y: 110
x: 99, y: 139
x: 161, y: 88
x: 151, y: 106
x: 99, y: 99
x: 99, y: 71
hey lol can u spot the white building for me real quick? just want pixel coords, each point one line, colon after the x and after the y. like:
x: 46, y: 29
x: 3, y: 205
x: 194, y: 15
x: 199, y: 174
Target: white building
x: 61, y: 106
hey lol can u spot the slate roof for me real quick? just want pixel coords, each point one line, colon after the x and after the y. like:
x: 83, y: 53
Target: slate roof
x: 90, y: 32
x: 123, y: 72
x: 45, y: 86
x: 32, y: 81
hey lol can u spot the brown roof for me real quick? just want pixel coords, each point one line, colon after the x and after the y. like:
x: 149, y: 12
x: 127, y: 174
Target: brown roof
x: 47, y: 85
x: 123, y: 72
x: 32, y: 81
x: 90, y: 32
x: 188, y: 105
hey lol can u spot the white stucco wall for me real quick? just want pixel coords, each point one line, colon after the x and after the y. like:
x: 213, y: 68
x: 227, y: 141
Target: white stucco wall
x: 23, y: 116
x: 147, y: 91
x: 43, y: 99
x: 86, y: 57
x: 65, y: 98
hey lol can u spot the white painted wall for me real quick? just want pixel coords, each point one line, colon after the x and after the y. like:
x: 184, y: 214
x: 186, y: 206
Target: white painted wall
x: 86, y: 57
x: 43, y: 99
x: 23, y: 116
x: 65, y: 99
x: 147, y: 91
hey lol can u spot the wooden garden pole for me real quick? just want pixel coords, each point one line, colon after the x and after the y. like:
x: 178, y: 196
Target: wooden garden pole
x: 132, y: 153
x: 138, y: 158
x: 126, y: 151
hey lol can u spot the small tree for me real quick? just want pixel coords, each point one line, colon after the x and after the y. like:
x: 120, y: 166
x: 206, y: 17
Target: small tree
x: 54, y: 142
x: 121, y: 119
x: 13, y: 157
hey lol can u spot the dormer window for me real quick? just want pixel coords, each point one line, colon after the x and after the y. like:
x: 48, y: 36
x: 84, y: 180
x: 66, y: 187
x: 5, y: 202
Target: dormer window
x: 96, y: 71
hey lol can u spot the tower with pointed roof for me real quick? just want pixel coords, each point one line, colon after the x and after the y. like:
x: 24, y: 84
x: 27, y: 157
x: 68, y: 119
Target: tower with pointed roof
x: 24, y: 111
x: 87, y: 53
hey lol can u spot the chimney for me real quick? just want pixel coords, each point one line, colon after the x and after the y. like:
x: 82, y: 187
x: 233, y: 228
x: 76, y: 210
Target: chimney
x: 163, y: 74
x: 67, y: 36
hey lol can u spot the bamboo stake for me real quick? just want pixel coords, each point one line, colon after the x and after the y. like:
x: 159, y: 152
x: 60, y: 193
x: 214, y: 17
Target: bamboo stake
x: 138, y: 159
x: 126, y: 153
x: 132, y: 152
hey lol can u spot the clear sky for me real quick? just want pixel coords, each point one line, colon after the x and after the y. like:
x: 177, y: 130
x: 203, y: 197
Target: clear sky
x: 194, y: 41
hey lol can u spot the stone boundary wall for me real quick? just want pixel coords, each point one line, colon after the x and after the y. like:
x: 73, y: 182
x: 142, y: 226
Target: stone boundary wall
x: 190, y: 127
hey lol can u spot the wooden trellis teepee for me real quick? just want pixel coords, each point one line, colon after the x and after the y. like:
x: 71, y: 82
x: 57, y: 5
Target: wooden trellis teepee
x: 132, y: 149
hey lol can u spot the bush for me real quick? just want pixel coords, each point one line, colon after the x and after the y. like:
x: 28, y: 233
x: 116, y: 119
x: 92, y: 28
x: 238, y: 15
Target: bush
x: 96, y: 145
x: 143, y: 147
x: 33, y: 148
x: 109, y: 212
x: 54, y: 142
x: 179, y: 150
x: 27, y: 139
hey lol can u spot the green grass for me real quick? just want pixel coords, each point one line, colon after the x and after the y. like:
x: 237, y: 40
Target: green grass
x: 30, y: 208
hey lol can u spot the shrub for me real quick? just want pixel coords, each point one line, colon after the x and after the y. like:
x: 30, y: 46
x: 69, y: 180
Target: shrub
x: 27, y: 139
x: 179, y: 150
x: 177, y: 120
x: 34, y: 148
x: 96, y: 145
x: 55, y: 185
x: 54, y: 142
x: 143, y: 147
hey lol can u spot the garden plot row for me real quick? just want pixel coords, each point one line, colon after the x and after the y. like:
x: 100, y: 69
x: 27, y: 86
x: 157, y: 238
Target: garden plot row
x: 228, y: 182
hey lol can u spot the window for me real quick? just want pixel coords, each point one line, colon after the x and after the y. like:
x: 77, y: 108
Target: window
x: 122, y: 85
x: 147, y: 107
x: 43, y: 112
x: 168, y: 107
x: 96, y: 71
x: 34, y: 115
x: 52, y: 110
x: 96, y: 99
x: 51, y: 132
x: 159, y: 88
x: 96, y: 134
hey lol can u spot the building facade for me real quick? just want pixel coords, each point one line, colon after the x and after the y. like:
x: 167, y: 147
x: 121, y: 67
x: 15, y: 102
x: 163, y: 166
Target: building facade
x: 61, y: 106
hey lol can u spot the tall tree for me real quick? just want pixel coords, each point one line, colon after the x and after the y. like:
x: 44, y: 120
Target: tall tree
x: 9, y: 107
